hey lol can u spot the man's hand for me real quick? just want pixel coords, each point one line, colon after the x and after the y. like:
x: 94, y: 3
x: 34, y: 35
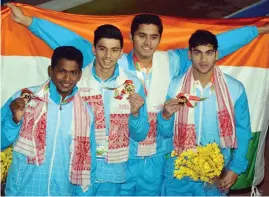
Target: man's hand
x: 136, y: 102
x: 170, y: 107
x: 18, y: 109
x: 264, y: 29
x: 18, y: 16
x: 228, y: 180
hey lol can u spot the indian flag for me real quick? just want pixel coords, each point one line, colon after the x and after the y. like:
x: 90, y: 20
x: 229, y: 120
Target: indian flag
x: 25, y: 59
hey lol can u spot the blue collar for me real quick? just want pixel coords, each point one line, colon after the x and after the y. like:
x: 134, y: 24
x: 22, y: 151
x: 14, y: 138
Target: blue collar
x: 131, y: 65
x: 55, y: 96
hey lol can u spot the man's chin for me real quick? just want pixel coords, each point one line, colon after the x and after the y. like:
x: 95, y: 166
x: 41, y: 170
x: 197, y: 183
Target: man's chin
x: 65, y: 90
x: 148, y: 55
x: 108, y: 67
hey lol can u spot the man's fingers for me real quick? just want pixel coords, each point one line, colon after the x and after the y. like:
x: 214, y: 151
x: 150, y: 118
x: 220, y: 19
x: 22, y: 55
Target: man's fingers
x: 9, y: 5
x: 132, y: 102
x: 227, y: 185
x: 22, y: 107
x: 20, y: 102
x: 170, y: 101
x: 174, y: 109
x: 177, y: 108
x: 135, y: 96
x: 19, y: 106
x: 136, y: 102
x: 12, y: 7
x: 140, y: 99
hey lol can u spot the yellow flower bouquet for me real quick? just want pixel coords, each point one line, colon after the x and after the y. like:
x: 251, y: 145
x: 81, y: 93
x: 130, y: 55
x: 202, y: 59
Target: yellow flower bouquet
x: 205, y: 163
x: 6, y: 158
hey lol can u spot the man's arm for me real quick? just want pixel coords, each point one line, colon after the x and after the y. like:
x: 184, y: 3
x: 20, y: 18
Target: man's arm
x: 228, y: 42
x: 165, y: 124
x: 239, y: 162
x: 54, y: 35
x: 138, y: 122
x: 9, y: 129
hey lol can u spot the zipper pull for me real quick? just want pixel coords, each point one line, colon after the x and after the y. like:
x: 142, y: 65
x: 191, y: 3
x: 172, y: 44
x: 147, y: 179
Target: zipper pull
x: 60, y: 107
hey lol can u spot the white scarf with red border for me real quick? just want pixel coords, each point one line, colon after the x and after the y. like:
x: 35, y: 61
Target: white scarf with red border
x: 118, y: 138
x: 156, y: 97
x: 185, y: 135
x: 32, y: 138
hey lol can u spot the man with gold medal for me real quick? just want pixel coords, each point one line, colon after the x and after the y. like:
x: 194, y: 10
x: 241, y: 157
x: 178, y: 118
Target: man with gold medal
x: 117, y: 100
x: 155, y: 69
x: 205, y: 106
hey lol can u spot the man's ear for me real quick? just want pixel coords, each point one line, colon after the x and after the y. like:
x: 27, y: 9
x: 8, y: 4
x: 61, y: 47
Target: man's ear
x: 131, y: 37
x: 121, y: 53
x: 80, y: 75
x: 50, y: 70
x: 189, y: 54
x: 217, y: 55
x: 93, y: 50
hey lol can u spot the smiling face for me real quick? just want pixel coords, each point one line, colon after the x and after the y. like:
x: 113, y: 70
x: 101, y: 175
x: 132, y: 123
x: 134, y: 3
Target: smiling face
x: 146, y: 40
x: 203, y: 58
x: 65, y: 76
x: 107, y: 52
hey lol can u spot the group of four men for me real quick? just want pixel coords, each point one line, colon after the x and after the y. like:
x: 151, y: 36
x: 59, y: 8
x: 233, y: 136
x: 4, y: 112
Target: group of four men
x: 105, y: 122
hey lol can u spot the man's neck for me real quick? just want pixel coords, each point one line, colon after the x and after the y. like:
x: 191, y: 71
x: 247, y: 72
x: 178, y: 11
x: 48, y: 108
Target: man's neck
x: 203, y: 78
x: 104, y: 74
x: 63, y: 96
x: 145, y: 62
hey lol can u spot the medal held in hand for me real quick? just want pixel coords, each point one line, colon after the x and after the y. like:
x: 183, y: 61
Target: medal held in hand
x: 26, y: 95
x: 182, y: 100
x: 189, y: 100
x: 129, y: 87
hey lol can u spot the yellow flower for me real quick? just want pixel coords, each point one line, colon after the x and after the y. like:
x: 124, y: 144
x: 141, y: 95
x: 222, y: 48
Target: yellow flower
x: 6, y: 159
x: 204, y: 163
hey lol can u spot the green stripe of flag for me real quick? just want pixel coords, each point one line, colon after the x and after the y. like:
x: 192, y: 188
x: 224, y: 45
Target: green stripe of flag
x: 245, y: 180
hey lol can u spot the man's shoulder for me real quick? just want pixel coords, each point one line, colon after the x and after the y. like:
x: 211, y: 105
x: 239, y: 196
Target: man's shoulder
x: 233, y: 82
x: 236, y: 87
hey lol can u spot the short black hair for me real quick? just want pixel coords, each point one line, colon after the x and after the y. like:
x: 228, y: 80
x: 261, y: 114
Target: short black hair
x: 203, y: 37
x: 108, y: 31
x: 146, y: 19
x: 66, y: 52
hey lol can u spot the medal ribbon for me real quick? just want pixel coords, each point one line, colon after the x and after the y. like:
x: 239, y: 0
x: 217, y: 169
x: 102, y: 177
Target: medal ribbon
x: 128, y: 88
x: 186, y: 98
x: 139, y: 72
x: 28, y: 94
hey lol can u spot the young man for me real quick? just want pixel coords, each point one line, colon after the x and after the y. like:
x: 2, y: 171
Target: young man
x: 155, y: 69
x: 112, y: 97
x: 222, y: 117
x: 52, y: 132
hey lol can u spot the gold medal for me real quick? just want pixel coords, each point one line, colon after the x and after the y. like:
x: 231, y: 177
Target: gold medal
x: 129, y: 88
x: 26, y: 95
x: 182, y: 100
